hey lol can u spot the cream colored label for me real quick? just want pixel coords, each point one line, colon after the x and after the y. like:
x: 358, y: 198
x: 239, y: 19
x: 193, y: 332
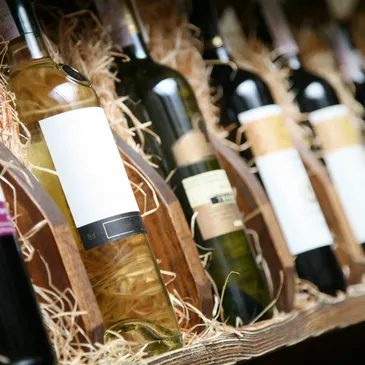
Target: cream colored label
x: 191, y: 148
x: 285, y: 179
x: 344, y: 155
x: 210, y: 195
x: 334, y: 128
x: 265, y: 130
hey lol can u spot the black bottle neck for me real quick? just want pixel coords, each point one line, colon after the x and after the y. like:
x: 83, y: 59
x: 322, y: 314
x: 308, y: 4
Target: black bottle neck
x: 347, y: 56
x: 204, y: 16
x: 274, y: 29
x: 20, y: 27
x: 122, y: 19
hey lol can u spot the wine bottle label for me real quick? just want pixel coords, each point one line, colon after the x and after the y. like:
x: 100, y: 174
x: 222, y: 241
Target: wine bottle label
x: 210, y: 195
x: 281, y: 33
x: 191, y: 148
x: 8, y: 28
x: 6, y: 224
x: 344, y: 156
x: 92, y: 176
x: 285, y: 180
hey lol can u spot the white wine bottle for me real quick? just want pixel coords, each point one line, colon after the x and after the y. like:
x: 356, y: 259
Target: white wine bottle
x: 70, y: 134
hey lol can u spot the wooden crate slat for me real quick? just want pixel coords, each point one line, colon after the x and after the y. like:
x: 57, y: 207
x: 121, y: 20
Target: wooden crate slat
x: 264, y: 337
x: 53, y: 242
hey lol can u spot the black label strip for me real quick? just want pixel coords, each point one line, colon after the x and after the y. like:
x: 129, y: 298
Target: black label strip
x: 111, y: 229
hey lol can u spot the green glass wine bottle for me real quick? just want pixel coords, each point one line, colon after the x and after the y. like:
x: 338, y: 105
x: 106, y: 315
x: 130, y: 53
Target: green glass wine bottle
x: 70, y: 135
x: 162, y: 95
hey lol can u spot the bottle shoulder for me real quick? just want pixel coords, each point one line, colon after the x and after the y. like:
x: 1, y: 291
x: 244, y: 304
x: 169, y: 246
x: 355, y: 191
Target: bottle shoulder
x: 244, y: 88
x: 43, y: 89
x: 312, y: 91
x: 149, y: 73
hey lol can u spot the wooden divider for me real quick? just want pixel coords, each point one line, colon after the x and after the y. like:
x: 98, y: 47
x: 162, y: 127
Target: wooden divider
x: 267, y: 336
x: 53, y: 242
x: 170, y: 235
x: 253, y: 202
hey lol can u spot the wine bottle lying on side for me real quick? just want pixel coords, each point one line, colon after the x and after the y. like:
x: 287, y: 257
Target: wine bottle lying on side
x: 70, y: 134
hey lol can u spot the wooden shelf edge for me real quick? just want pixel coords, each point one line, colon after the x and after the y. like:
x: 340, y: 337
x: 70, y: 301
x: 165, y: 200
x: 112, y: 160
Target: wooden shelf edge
x: 268, y: 336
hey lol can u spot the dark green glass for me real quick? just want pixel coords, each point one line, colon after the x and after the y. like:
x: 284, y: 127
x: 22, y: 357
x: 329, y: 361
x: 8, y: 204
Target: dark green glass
x: 163, y: 96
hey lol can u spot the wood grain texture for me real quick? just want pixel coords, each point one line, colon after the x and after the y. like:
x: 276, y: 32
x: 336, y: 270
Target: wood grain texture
x: 251, y: 198
x: 53, y: 242
x: 348, y: 250
x: 170, y: 235
x: 264, y: 337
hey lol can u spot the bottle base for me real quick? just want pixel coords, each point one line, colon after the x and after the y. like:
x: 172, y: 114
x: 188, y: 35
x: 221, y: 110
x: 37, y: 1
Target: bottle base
x: 143, y: 332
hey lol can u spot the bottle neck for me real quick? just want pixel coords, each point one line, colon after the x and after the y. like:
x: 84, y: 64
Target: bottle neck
x: 26, y: 49
x: 292, y: 61
x: 280, y: 33
x: 21, y: 29
x: 347, y: 56
x: 122, y: 20
x: 137, y: 50
x: 205, y: 17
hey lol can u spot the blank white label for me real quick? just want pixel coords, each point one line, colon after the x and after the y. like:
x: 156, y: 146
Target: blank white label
x: 91, y: 172
x: 293, y: 200
x: 346, y: 167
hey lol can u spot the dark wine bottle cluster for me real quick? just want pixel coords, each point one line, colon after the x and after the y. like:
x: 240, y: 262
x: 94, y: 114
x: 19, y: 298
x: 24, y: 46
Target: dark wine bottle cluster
x: 247, y: 100
x: 340, y: 143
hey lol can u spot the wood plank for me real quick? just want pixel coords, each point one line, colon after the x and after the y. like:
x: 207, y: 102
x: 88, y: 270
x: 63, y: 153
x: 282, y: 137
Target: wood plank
x: 170, y: 236
x: 267, y: 336
x: 53, y: 242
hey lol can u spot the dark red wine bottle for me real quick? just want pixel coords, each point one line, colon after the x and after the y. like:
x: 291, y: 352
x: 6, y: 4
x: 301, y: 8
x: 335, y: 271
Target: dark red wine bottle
x: 347, y: 56
x: 23, y: 337
x: 247, y: 101
x: 340, y: 142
